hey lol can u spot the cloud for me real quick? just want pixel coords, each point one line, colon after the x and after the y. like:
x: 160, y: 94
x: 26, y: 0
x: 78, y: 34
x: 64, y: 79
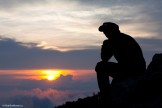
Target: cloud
x: 57, y: 92
x: 52, y: 95
x: 151, y: 44
x: 31, y: 93
x: 67, y: 83
x: 41, y: 98
x: 150, y: 47
x: 31, y: 102
x: 15, y: 3
x: 26, y: 93
x: 30, y: 99
x: 18, y: 55
x: 63, y: 83
x: 138, y: 18
x: 57, y: 23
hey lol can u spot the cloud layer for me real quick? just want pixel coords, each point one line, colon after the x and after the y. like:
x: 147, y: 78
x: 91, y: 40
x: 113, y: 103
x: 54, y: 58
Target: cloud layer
x: 17, y: 55
x: 42, y: 93
x: 64, y: 25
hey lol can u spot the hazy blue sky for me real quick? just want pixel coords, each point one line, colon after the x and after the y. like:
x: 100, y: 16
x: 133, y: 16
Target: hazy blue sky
x: 63, y: 34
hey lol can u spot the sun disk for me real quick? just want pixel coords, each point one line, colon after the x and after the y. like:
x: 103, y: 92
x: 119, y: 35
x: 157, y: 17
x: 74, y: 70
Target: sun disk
x: 51, y: 74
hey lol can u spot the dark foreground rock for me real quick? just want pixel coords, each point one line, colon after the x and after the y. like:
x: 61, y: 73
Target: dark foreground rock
x: 141, y: 92
x: 88, y: 102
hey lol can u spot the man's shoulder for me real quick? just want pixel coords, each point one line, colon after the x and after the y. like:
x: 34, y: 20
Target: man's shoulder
x: 126, y: 36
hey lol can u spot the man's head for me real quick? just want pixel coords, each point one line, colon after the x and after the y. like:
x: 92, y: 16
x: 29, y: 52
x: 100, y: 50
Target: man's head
x: 109, y: 29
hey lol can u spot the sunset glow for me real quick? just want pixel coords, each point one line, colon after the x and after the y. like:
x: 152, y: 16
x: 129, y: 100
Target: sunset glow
x: 51, y: 74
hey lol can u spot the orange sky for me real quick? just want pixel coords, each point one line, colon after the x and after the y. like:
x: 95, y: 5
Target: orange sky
x: 45, y: 74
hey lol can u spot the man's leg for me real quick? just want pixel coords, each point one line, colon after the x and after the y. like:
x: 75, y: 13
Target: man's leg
x: 103, y: 70
x: 102, y: 77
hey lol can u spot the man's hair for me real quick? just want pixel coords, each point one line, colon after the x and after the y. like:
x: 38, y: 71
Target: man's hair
x: 108, y: 26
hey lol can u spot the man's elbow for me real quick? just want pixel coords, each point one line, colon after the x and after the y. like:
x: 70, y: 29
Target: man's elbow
x: 104, y: 58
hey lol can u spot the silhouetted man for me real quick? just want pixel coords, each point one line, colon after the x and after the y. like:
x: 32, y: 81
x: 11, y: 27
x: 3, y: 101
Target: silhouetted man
x: 127, y: 52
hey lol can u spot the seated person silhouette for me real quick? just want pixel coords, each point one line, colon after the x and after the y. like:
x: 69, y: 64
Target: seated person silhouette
x: 128, y: 54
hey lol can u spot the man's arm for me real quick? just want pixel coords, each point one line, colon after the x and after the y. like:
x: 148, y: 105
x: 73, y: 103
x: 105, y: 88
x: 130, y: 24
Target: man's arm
x: 106, y: 51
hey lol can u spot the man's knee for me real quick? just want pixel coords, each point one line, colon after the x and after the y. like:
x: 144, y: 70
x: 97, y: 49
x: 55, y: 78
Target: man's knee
x: 100, y: 66
x: 109, y: 68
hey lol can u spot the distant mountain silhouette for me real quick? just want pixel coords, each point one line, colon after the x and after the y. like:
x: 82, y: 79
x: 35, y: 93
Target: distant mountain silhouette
x: 142, y: 92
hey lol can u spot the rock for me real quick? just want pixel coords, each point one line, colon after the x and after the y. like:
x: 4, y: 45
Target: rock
x: 141, y: 92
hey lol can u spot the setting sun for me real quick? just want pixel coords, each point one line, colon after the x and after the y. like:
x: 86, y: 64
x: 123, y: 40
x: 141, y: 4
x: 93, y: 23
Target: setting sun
x: 50, y: 77
x: 51, y: 74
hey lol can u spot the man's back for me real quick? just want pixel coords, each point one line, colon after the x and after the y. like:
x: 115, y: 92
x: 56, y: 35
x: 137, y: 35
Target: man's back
x: 126, y: 51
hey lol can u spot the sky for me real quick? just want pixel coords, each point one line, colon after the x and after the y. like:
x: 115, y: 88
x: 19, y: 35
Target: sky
x: 62, y: 35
